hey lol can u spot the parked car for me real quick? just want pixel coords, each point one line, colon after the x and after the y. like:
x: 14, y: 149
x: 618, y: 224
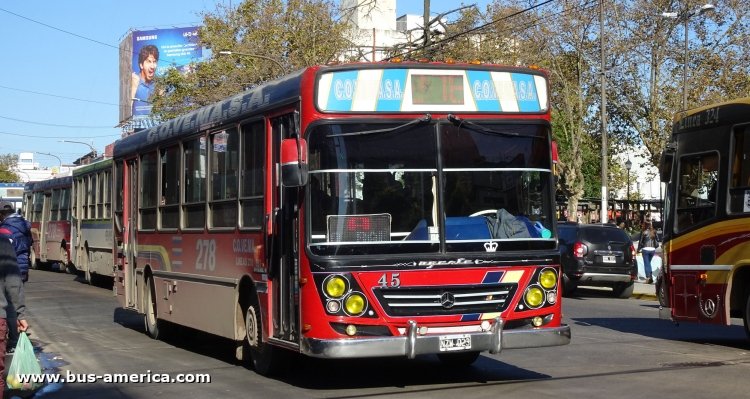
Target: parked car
x: 599, y: 255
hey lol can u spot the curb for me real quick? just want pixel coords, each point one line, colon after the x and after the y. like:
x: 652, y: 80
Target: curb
x: 644, y: 296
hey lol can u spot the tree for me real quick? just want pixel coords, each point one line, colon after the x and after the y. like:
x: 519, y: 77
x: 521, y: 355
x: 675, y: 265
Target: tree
x: 650, y: 56
x: 8, y: 163
x: 262, y: 34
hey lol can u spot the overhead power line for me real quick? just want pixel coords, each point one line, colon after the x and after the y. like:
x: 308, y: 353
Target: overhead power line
x: 57, y: 96
x: 466, y: 32
x: 54, y: 124
x: 58, y: 29
x: 57, y: 137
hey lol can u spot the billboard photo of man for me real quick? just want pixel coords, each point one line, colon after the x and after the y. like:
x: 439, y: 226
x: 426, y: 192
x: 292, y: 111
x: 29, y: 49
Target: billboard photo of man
x: 142, y: 83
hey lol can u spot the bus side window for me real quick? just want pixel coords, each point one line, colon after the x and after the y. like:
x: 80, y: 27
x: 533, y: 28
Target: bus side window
x: 739, y: 191
x: 697, y: 190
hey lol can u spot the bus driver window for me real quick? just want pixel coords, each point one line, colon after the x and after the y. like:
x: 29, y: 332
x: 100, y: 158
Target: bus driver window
x: 697, y: 190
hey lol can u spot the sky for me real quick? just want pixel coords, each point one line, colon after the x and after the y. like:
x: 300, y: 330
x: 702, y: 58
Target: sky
x: 59, y: 71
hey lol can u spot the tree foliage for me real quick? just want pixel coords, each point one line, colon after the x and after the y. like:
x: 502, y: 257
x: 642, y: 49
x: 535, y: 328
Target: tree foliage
x: 643, y: 65
x: 8, y: 163
x: 268, y: 38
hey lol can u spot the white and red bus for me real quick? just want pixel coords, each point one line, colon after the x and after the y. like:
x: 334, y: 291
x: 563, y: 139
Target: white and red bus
x: 47, y: 208
x: 706, y: 267
x: 358, y: 210
x: 91, y: 221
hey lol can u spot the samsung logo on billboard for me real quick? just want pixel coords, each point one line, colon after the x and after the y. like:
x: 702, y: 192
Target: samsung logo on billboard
x: 147, y: 37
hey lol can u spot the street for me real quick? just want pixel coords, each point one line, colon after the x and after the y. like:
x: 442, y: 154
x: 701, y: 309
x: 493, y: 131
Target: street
x: 619, y: 349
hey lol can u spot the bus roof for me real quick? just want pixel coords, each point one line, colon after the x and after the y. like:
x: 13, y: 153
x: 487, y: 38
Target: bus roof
x: 92, y: 167
x: 234, y: 108
x: 287, y: 89
x: 722, y: 113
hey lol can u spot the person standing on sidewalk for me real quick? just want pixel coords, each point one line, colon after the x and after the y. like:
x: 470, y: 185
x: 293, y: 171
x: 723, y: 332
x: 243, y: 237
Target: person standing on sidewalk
x: 14, y: 227
x: 647, y: 247
x: 12, y: 288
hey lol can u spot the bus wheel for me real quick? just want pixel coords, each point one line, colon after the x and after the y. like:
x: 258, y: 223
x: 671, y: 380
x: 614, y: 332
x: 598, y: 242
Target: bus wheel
x: 65, y: 261
x: 152, y: 323
x: 34, y: 262
x: 460, y: 359
x: 661, y: 293
x: 746, y: 316
x: 266, y: 359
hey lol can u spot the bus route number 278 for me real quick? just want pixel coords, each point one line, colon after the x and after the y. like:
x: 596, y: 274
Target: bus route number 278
x: 206, y: 255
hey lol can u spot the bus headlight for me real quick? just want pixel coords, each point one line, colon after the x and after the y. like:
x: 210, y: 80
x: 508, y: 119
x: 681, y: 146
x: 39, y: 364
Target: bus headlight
x: 335, y: 286
x: 548, y: 278
x: 354, y: 304
x: 534, y: 297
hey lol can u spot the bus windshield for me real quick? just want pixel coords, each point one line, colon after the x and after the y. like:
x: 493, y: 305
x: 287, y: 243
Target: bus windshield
x: 481, y: 186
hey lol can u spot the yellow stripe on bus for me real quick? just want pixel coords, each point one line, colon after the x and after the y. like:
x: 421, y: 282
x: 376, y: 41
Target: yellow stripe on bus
x: 726, y: 227
x: 159, y: 251
x: 512, y: 276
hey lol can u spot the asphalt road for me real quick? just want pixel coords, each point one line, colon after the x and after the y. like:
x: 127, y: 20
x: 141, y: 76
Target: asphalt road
x: 620, y: 349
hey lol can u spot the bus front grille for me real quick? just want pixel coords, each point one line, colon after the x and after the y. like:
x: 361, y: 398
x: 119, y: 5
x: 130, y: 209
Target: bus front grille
x: 445, y: 300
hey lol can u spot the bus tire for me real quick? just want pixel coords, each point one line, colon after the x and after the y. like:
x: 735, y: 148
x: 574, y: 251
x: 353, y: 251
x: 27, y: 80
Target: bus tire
x: 33, y: 261
x: 746, y: 316
x: 266, y: 359
x: 151, y: 317
x: 568, y: 286
x: 459, y: 359
x: 64, y: 261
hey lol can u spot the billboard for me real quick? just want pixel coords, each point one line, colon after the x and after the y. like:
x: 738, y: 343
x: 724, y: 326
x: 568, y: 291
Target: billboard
x: 147, y: 54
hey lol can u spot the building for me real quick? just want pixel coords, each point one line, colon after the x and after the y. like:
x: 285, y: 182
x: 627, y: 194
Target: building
x: 28, y: 169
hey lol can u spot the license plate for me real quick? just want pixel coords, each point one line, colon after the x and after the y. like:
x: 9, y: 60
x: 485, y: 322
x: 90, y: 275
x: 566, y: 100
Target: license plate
x: 608, y: 259
x: 455, y: 342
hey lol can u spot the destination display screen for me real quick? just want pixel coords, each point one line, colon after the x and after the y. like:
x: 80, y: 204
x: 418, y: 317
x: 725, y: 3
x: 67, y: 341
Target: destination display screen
x: 431, y: 90
x: 437, y: 89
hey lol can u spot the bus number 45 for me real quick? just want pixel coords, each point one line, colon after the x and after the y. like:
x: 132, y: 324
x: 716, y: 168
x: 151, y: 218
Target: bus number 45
x: 391, y: 280
x: 206, y: 259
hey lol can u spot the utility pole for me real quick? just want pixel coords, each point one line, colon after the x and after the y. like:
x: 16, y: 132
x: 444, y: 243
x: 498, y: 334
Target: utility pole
x: 604, y: 114
x: 426, y: 24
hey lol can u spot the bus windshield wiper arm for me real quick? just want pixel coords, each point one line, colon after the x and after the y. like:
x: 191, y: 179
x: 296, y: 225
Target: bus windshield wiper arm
x: 481, y: 129
x: 424, y: 119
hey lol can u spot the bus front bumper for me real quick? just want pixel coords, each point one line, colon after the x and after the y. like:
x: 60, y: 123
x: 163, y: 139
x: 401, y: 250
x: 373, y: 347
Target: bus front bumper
x: 412, y: 344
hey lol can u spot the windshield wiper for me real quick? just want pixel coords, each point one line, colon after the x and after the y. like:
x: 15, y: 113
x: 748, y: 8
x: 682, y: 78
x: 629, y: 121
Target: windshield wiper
x: 482, y: 129
x: 424, y: 119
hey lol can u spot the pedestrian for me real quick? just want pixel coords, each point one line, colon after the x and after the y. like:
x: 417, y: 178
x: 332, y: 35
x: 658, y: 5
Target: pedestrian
x: 13, y: 296
x: 18, y: 230
x: 647, y: 246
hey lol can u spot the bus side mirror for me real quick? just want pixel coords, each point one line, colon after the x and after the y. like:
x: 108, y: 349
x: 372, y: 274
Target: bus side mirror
x: 293, y: 162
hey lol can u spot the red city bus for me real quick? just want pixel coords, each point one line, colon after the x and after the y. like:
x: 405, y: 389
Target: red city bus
x: 358, y: 210
x: 706, y: 272
x: 47, y: 208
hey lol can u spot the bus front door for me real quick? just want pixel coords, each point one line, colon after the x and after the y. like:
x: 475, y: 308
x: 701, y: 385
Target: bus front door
x: 130, y: 208
x: 283, y: 251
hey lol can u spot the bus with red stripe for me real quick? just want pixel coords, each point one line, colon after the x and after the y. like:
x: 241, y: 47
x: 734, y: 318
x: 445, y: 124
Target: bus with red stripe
x: 47, y: 208
x: 706, y: 272
x: 356, y: 210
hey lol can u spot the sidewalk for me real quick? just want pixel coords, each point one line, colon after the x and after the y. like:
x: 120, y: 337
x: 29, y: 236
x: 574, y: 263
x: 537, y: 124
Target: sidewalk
x: 642, y: 290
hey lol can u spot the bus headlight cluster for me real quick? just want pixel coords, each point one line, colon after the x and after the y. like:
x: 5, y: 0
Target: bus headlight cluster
x: 544, y: 291
x: 342, y: 296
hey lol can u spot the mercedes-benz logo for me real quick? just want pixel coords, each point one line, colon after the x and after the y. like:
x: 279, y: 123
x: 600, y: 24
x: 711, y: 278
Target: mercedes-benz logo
x: 447, y: 300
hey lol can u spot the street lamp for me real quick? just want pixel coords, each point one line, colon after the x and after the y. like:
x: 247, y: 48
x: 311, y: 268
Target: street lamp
x: 628, y: 165
x: 93, y: 150
x: 52, y: 155
x: 686, y: 17
x: 275, y: 61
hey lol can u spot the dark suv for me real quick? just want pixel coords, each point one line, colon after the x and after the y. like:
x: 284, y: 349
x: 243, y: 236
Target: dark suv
x: 600, y: 255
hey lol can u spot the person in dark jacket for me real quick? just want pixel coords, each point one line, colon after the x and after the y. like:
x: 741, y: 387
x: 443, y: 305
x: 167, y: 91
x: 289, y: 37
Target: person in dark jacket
x: 12, y: 288
x: 14, y: 226
x: 18, y: 230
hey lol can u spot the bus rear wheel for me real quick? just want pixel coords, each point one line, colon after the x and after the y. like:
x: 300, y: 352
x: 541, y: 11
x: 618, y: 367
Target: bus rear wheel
x: 746, y: 316
x: 151, y: 320
x: 266, y: 359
